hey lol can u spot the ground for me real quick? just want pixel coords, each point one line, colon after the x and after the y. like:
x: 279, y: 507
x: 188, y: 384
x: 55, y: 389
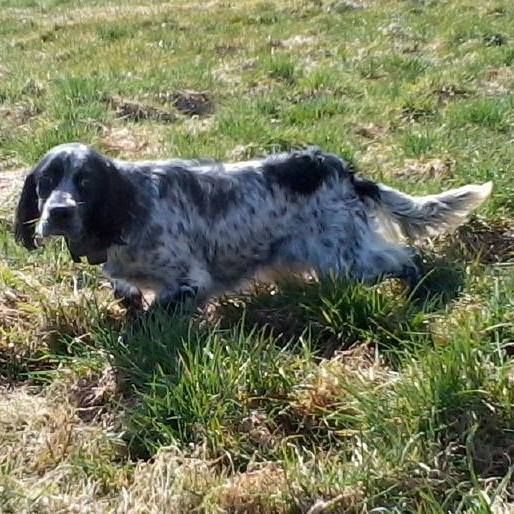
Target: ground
x: 293, y: 398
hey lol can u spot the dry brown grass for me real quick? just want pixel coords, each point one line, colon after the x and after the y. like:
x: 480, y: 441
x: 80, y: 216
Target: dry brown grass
x: 132, y: 141
x: 171, y: 483
x: 489, y: 241
x: 332, y: 382
x: 11, y: 183
x: 46, y: 447
x: 496, y: 81
x: 416, y: 169
x: 258, y: 491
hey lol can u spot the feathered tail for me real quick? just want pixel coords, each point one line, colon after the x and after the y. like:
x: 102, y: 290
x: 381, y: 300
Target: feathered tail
x: 424, y: 216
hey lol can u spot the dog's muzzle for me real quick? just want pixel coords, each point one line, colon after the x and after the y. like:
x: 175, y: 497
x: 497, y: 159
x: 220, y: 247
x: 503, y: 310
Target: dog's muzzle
x: 60, y: 220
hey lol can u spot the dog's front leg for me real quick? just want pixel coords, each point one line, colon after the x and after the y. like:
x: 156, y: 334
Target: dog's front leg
x: 187, y: 290
x: 130, y: 296
x: 179, y: 299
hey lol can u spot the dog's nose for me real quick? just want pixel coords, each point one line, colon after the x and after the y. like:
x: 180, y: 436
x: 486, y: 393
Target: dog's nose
x: 62, y: 213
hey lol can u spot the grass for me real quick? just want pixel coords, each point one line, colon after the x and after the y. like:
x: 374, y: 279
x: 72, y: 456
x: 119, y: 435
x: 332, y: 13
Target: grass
x: 293, y: 398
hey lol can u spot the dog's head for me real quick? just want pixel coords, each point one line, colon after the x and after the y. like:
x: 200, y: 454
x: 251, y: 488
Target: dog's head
x: 77, y: 193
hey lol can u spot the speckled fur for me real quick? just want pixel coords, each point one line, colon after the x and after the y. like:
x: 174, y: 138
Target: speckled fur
x: 203, y: 227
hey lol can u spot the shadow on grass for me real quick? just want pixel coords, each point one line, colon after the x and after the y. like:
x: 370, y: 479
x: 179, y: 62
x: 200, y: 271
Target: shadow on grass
x: 336, y: 314
x: 443, y: 280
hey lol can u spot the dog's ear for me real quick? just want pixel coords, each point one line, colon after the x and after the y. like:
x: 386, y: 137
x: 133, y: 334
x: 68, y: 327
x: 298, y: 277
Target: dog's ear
x: 122, y: 201
x: 118, y: 206
x: 109, y: 210
x: 27, y: 213
x: 74, y: 252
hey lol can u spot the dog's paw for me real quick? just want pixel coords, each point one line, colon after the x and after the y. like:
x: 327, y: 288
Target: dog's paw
x: 179, y: 301
x: 130, y: 297
x: 412, y: 276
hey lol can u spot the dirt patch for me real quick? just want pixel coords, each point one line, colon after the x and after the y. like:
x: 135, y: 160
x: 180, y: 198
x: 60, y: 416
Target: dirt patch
x: 370, y: 131
x: 490, y: 242
x: 138, y: 111
x: 426, y: 169
x: 129, y: 142
x: 191, y: 103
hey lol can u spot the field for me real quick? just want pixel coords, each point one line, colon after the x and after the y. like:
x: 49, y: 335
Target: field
x: 288, y: 398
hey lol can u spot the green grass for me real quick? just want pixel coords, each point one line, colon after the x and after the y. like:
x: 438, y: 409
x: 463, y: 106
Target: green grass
x: 287, y: 397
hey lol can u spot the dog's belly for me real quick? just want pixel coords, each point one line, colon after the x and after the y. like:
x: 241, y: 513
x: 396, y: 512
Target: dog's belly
x: 229, y: 267
x: 136, y: 277
x: 278, y: 235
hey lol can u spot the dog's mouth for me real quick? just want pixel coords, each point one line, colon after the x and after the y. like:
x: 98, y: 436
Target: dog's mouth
x: 79, y: 243
x: 46, y: 229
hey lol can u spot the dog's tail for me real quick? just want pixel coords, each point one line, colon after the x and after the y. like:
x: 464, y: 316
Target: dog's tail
x: 424, y: 216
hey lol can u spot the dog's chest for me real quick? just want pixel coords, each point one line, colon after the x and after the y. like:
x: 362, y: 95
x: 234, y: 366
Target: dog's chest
x: 134, y: 265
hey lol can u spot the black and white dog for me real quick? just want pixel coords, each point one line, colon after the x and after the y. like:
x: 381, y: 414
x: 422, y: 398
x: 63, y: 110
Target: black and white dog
x: 188, y: 227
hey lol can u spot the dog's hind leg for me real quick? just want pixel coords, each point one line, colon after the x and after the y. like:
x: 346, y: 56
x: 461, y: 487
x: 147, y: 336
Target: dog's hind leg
x: 363, y: 254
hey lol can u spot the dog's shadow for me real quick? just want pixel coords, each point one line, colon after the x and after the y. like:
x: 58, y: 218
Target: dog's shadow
x: 339, y: 315
x: 442, y: 282
x: 333, y: 313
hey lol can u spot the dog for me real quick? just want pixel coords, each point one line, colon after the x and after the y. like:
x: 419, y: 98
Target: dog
x: 186, y: 228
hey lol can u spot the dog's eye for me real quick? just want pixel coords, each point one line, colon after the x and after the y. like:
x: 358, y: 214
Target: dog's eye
x: 83, y: 183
